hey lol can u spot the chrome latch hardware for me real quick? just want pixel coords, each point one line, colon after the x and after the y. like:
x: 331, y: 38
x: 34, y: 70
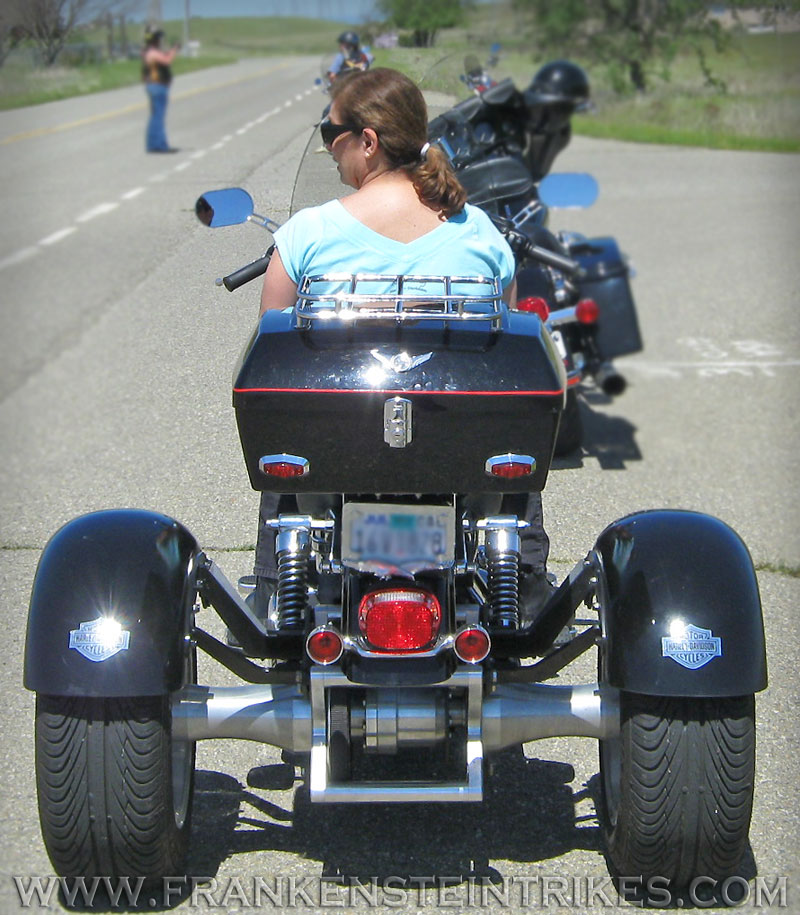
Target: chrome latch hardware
x: 397, y: 422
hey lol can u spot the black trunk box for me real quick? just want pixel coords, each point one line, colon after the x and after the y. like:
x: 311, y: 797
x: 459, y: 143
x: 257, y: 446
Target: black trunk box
x: 321, y: 393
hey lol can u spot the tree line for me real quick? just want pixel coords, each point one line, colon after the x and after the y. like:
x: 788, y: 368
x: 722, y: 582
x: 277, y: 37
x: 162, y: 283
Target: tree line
x: 49, y: 24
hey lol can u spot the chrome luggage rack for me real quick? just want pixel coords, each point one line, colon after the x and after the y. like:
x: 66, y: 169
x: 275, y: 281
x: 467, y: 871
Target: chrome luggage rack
x: 352, y: 303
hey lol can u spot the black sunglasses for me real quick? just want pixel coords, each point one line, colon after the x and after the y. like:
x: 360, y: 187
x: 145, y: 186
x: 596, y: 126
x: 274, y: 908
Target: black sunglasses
x: 331, y: 131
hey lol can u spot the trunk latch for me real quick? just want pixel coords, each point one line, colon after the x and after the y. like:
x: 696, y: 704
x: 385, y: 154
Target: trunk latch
x: 397, y: 422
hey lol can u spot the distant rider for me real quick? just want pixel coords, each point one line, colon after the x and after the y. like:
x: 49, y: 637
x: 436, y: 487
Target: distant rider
x: 351, y: 56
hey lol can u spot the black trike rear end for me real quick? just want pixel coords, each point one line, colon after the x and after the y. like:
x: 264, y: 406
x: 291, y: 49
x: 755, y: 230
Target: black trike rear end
x: 396, y: 624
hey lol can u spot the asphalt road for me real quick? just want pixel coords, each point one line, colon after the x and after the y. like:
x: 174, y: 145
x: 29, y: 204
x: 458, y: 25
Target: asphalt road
x: 116, y: 353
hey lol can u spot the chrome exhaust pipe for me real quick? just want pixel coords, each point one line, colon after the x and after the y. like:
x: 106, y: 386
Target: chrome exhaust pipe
x: 519, y: 712
x: 277, y: 715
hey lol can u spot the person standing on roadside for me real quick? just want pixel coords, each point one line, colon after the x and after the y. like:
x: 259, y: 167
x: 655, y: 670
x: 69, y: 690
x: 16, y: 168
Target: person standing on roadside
x: 157, y: 77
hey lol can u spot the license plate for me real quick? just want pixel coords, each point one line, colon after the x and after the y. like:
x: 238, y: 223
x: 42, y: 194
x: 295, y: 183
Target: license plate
x: 404, y: 538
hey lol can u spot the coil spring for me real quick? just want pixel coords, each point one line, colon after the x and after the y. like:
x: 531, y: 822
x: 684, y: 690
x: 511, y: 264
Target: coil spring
x: 292, y: 589
x: 503, y: 568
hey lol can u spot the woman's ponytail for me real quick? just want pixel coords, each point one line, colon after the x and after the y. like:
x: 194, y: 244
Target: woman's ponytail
x: 436, y: 182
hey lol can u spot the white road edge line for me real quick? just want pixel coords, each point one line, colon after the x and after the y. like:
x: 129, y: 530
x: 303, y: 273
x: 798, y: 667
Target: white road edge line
x: 22, y: 255
x: 100, y: 210
x: 57, y: 236
x: 129, y: 195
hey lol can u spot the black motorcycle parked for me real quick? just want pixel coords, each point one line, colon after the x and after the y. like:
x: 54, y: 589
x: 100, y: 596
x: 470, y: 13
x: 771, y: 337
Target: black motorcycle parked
x: 398, y: 422
x: 502, y: 143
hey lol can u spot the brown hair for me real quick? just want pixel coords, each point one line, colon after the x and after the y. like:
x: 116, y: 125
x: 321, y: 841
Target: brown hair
x: 393, y: 106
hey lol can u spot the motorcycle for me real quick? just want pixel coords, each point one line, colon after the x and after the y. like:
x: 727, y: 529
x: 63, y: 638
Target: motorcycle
x: 502, y: 144
x: 398, y: 421
x: 476, y: 75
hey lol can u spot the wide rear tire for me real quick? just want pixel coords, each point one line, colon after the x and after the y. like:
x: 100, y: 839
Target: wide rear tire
x: 677, y: 787
x: 114, y: 786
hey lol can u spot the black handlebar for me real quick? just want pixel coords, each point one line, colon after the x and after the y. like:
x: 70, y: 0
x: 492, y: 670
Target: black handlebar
x: 561, y: 262
x: 249, y: 272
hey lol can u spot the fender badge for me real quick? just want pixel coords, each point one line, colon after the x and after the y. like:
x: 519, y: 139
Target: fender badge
x: 400, y: 362
x: 100, y: 639
x: 694, y: 649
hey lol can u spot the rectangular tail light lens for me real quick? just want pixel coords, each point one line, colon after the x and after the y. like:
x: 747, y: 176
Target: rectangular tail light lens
x: 399, y: 619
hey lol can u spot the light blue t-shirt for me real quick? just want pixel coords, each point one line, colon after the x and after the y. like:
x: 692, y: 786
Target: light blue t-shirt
x: 329, y: 239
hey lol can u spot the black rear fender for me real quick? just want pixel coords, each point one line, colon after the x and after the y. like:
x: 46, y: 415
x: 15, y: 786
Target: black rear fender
x: 682, y: 612
x: 111, y: 605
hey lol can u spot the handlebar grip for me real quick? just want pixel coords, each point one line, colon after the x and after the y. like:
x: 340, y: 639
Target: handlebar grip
x: 250, y: 272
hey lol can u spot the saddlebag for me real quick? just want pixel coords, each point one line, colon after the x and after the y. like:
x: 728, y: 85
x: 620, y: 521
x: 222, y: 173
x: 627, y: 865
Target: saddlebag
x: 606, y: 280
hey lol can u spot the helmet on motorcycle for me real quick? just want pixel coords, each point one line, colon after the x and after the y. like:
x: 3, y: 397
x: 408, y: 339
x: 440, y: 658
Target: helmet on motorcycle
x: 350, y: 39
x: 559, y: 82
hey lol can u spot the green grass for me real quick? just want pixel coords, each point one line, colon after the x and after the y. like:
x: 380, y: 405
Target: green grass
x: 759, y: 109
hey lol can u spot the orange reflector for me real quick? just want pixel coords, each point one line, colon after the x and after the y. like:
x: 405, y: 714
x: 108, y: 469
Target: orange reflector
x: 324, y: 645
x: 534, y: 304
x: 399, y: 619
x: 472, y: 644
x: 587, y: 311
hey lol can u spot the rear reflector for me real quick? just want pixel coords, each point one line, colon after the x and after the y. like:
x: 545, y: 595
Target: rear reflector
x: 510, y: 466
x: 587, y: 311
x: 472, y: 644
x: 324, y: 645
x: 283, y: 465
x: 536, y: 305
x: 399, y: 619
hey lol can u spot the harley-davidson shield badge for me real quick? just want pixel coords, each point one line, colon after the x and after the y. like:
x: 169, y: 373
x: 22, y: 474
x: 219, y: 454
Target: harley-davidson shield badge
x: 100, y: 639
x: 693, y: 649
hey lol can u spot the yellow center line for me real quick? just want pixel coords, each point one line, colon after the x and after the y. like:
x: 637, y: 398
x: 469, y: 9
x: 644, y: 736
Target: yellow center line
x: 93, y: 119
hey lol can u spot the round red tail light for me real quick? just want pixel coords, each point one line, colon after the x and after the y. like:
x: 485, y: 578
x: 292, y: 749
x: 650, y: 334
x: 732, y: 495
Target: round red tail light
x: 472, y: 644
x: 324, y: 645
x: 587, y: 311
x: 534, y: 304
x: 399, y: 619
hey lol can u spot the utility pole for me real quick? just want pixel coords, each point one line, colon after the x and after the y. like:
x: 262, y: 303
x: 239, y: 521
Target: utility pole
x: 186, y: 16
x: 154, y: 16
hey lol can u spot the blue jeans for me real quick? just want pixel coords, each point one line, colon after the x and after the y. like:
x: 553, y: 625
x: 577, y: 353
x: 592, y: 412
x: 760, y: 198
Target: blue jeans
x: 156, y: 132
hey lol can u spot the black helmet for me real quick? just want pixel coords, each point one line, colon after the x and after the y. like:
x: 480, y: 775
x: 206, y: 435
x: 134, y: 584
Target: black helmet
x: 350, y: 39
x: 559, y: 82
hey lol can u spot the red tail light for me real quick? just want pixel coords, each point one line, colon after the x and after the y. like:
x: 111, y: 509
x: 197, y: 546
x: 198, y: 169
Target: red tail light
x: 324, y: 645
x: 472, y: 644
x: 587, y: 311
x: 535, y: 304
x: 510, y: 466
x: 399, y: 619
x: 283, y: 465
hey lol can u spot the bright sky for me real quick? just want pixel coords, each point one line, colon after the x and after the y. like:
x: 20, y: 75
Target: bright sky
x: 338, y: 10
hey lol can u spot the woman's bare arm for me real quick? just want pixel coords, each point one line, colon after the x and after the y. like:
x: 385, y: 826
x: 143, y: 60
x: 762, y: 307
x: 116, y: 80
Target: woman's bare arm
x: 280, y: 290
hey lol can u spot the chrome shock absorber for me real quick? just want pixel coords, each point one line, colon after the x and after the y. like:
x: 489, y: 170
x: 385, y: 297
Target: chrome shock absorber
x: 293, y: 553
x: 502, y: 550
